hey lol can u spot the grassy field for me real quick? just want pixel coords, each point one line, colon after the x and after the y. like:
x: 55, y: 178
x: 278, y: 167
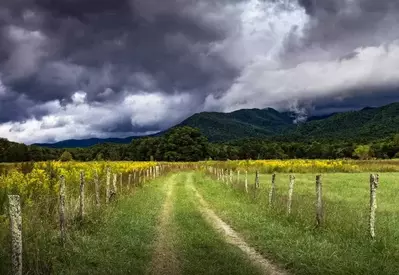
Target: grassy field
x: 341, y: 246
x: 161, y: 228
x: 201, y: 249
x: 118, y: 240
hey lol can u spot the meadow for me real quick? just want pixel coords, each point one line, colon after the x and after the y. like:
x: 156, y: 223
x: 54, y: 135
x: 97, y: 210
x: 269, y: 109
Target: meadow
x: 123, y: 236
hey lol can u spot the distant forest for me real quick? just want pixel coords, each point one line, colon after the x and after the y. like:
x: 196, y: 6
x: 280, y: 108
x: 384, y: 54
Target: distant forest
x: 188, y: 144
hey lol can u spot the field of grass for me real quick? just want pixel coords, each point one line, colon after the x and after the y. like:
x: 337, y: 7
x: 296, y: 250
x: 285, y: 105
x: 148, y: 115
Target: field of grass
x: 159, y: 227
x: 201, y: 249
x: 341, y: 246
x: 117, y: 240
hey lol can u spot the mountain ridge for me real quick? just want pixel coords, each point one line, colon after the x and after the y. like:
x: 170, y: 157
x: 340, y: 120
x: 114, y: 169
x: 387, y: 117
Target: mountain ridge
x: 366, y: 123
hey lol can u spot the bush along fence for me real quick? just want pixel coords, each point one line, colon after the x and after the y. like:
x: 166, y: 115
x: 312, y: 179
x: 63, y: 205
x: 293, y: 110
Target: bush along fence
x: 224, y: 175
x: 103, y: 193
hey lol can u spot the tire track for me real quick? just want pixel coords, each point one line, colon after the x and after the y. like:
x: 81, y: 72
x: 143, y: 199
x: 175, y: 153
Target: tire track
x: 164, y: 260
x: 232, y: 237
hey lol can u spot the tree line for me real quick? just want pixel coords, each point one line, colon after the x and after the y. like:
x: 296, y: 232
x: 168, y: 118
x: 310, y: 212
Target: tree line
x: 188, y: 144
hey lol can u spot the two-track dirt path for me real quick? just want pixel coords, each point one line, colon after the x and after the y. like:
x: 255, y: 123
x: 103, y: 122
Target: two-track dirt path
x: 164, y: 259
x: 232, y: 237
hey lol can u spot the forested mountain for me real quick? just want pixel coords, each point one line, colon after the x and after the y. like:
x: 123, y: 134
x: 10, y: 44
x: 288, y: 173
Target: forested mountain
x: 75, y: 143
x: 364, y: 125
x: 246, y: 123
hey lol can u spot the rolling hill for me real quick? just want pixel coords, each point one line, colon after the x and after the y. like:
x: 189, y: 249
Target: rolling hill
x: 366, y: 124
x: 240, y: 124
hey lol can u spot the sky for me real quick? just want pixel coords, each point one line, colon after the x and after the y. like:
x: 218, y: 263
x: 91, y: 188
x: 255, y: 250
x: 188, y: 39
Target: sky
x: 116, y: 68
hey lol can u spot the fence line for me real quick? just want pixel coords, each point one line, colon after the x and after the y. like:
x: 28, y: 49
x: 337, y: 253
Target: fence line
x: 319, y: 211
x: 15, y: 205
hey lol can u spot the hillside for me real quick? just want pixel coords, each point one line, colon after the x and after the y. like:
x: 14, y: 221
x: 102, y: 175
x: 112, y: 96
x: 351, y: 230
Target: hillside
x: 363, y: 125
x: 244, y: 123
x: 74, y: 143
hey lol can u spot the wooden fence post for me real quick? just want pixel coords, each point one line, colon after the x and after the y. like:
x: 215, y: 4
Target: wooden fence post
x: 107, y: 187
x: 114, y: 187
x: 129, y: 181
x: 62, y: 210
x: 16, y: 233
x: 97, y: 188
x: 82, y: 195
x: 319, y: 202
x: 374, y: 179
x: 257, y: 179
x: 121, y: 182
x: 238, y: 176
x: 134, y: 178
x: 246, y: 181
x: 231, y: 176
x: 290, y: 192
x: 272, y: 190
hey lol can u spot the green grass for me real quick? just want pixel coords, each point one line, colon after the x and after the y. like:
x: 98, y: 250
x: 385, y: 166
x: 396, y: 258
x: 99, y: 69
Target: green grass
x: 119, y: 240
x: 341, y: 246
x: 201, y: 249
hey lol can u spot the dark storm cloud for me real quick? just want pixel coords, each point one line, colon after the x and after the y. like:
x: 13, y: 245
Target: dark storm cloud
x: 102, y: 67
x: 94, y: 45
x: 351, y: 24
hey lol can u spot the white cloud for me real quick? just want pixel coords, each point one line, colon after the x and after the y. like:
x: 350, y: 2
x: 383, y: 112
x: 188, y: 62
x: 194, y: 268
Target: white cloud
x: 150, y: 109
x: 80, y: 119
x: 2, y: 88
x: 371, y: 67
x: 260, y: 30
x: 79, y: 97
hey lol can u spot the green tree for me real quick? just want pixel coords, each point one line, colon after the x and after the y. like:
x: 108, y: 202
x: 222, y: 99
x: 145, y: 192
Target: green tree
x: 66, y: 156
x: 362, y: 151
x: 184, y: 144
x: 99, y: 156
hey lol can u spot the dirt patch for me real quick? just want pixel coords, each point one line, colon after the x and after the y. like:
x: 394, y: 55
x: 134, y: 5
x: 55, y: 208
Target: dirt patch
x: 232, y: 237
x: 164, y: 260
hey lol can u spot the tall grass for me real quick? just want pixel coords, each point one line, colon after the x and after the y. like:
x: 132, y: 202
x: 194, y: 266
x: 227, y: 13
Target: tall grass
x: 341, y: 246
x: 308, y: 165
x: 38, y: 186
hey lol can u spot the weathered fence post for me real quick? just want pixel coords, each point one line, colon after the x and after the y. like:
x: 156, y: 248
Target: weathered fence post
x: 290, y: 192
x: 121, y: 182
x: 231, y: 176
x: 107, y: 187
x: 238, y: 176
x: 82, y: 195
x: 134, y: 178
x: 129, y: 181
x: 114, y: 187
x: 374, y: 179
x: 257, y: 179
x: 272, y: 190
x: 62, y: 210
x: 16, y: 233
x: 97, y: 188
x: 319, y: 202
x: 246, y: 181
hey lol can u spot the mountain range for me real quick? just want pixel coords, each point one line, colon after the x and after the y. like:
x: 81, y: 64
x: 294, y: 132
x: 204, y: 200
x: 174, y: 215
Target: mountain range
x: 362, y: 125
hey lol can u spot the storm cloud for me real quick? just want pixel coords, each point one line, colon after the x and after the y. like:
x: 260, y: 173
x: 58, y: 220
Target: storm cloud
x: 102, y: 68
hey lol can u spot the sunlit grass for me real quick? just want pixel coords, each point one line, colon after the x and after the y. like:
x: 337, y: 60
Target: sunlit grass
x: 341, y: 246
